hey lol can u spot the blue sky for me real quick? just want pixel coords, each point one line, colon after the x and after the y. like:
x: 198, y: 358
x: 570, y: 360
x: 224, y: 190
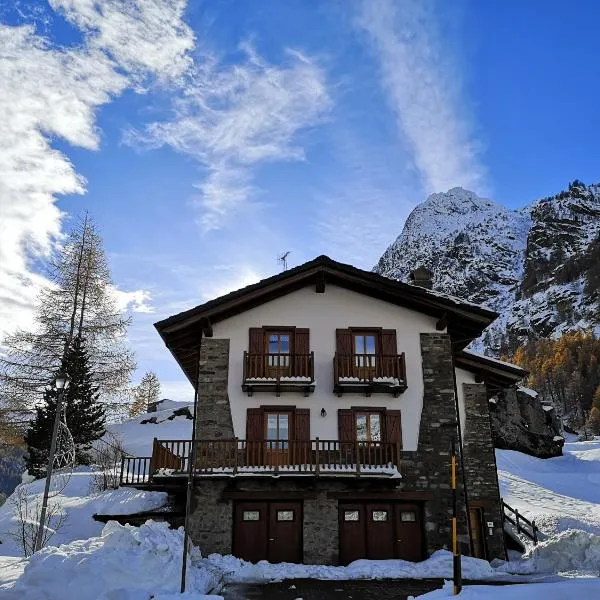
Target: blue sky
x: 206, y: 139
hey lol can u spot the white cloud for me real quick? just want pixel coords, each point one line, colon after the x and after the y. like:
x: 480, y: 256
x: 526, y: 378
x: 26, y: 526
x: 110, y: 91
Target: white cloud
x: 232, y: 118
x: 137, y: 301
x: 47, y: 92
x: 423, y: 88
x: 141, y: 36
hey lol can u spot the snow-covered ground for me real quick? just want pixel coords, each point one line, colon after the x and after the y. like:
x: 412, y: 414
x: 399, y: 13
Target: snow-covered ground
x: 558, y: 493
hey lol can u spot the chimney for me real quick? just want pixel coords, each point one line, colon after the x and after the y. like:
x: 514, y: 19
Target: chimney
x: 421, y: 276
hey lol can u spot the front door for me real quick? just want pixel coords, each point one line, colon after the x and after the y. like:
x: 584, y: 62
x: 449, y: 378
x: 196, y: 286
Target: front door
x: 477, y: 535
x: 278, y: 356
x: 278, y: 426
x: 409, y: 532
x: 268, y: 531
x: 379, y: 531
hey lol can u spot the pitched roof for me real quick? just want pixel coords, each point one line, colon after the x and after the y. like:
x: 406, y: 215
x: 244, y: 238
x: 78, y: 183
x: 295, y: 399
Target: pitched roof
x: 497, y: 374
x: 465, y: 321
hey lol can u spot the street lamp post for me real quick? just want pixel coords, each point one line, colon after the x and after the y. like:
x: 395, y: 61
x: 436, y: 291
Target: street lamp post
x: 61, y: 383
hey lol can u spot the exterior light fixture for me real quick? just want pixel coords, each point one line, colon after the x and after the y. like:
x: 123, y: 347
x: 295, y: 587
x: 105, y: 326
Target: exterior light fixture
x: 61, y: 381
x: 323, y: 412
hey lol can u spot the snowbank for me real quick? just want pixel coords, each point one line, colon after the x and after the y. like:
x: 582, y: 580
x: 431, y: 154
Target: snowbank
x: 79, y: 504
x: 560, y: 590
x: 439, y: 564
x: 571, y: 551
x: 137, y: 437
x: 124, y: 563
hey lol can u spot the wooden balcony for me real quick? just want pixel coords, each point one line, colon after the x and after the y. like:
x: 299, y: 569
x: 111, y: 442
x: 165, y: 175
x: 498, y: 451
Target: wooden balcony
x: 315, y: 458
x: 369, y: 374
x: 279, y: 373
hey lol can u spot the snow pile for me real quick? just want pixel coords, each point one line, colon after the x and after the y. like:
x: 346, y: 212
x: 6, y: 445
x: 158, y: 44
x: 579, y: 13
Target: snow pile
x: 79, y: 504
x: 560, y: 590
x: 137, y: 434
x: 571, y: 551
x: 558, y: 493
x: 439, y: 564
x: 124, y: 563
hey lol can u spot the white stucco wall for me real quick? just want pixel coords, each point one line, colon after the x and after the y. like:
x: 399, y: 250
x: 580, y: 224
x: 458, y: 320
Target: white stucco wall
x: 462, y: 377
x: 323, y: 314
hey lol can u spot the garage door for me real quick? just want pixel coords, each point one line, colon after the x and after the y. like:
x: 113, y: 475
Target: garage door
x: 268, y: 531
x: 380, y: 531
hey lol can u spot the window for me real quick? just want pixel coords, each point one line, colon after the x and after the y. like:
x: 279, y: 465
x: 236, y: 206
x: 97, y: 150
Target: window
x: 368, y: 427
x: 277, y: 430
x: 251, y: 515
x: 278, y: 349
x: 365, y: 349
x: 379, y: 515
x: 285, y: 515
x: 350, y: 515
x: 408, y: 516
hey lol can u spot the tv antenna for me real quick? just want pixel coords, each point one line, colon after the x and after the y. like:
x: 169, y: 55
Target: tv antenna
x: 283, y: 259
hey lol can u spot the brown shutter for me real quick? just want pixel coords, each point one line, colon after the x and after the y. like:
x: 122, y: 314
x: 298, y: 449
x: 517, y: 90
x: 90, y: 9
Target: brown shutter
x: 302, y: 424
x: 388, y: 365
x: 346, y: 427
x: 301, y: 351
x: 344, y: 349
x: 255, y: 428
x: 388, y: 342
x: 256, y: 366
x: 393, y: 427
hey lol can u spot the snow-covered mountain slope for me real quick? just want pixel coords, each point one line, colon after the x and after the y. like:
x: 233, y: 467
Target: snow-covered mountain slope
x: 539, y: 266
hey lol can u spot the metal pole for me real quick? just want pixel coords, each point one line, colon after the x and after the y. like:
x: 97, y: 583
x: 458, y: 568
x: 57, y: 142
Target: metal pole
x: 190, y: 479
x: 40, y: 533
x: 456, y: 564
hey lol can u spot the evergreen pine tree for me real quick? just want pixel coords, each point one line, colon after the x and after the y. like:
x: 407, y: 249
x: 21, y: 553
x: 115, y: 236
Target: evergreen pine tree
x: 84, y: 414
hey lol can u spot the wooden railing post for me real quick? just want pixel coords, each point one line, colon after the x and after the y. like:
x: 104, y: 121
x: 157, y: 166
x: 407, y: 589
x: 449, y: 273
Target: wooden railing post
x: 517, y: 519
x: 534, y: 532
x: 245, y: 368
x: 122, y: 469
x: 317, y: 457
x: 235, y: 452
x: 357, y: 457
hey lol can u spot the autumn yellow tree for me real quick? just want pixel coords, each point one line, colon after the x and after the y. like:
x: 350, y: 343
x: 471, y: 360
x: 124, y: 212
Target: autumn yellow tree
x: 565, y: 371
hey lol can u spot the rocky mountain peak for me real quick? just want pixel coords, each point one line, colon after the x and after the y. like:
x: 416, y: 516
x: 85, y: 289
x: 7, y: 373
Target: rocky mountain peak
x: 539, y: 266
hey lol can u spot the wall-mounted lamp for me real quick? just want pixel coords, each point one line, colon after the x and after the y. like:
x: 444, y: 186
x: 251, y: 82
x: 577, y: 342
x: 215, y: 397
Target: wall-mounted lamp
x: 323, y: 412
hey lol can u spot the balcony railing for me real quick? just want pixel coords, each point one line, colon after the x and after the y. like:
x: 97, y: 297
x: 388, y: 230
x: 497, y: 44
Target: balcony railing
x: 278, y: 373
x: 312, y: 457
x: 369, y: 373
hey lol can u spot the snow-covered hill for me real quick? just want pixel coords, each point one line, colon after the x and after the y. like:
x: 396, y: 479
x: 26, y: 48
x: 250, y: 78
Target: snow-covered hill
x: 539, y: 266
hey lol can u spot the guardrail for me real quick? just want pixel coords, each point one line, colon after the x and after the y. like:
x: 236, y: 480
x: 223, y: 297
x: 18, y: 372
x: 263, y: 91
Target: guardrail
x: 524, y: 526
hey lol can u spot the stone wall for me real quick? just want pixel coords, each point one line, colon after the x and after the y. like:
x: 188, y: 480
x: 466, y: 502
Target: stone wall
x: 214, y: 412
x: 480, y: 466
x: 431, y: 464
x: 521, y: 422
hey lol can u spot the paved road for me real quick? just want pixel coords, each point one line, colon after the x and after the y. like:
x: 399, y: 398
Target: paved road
x: 313, y: 589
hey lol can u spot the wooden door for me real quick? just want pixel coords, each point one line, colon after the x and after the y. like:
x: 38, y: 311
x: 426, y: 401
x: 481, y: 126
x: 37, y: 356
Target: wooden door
x: 278, y: 432
x: 380, y: 531
x: 409, y: 532
x: 250, y: 530
x: 477, y: 532
x: 352, y: 532
x: 365, y: 351
x: 285, y: 532
x: 279, y: 347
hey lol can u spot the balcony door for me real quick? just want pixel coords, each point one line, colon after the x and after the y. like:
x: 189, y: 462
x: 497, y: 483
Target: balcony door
x: 278, y: 426
x: 278, y: 345
x: 365, y: 351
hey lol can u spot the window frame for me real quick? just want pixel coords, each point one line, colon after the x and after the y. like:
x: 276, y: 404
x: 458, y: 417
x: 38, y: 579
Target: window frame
x: 284, y: 443
x: 368, y: 413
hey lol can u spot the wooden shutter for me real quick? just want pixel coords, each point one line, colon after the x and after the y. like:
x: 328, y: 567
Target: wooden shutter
x: 393, y: 427
x: 346, y: 426
x: 388, y: 342
x: 344, y: 347
x: 302, y: 424
x: 388, y: 365
x: 256, y: 366
x: 301, y: 350
x: 255, y: 428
